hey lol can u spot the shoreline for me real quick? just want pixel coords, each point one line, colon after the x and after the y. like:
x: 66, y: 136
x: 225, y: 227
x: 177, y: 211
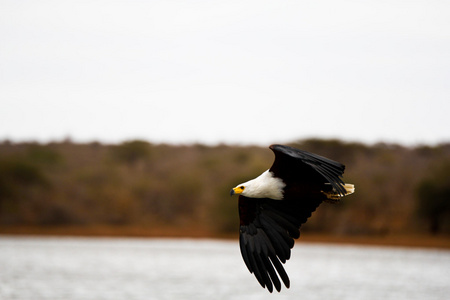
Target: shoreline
x: 404, y: 240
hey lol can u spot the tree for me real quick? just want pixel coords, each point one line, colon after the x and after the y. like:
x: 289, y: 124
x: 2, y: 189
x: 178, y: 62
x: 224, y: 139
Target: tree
x: 131, y: 152
x: 433, y: 196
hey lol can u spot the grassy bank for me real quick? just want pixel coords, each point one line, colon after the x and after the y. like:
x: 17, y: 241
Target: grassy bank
x: 141, y: 189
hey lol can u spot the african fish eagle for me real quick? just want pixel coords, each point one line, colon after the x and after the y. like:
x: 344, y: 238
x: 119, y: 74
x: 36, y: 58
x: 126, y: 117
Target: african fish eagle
x: 274, y: 205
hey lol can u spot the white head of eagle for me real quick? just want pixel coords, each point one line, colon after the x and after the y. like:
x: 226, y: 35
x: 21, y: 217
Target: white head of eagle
x: 274, y: 205
x: 264, y: 186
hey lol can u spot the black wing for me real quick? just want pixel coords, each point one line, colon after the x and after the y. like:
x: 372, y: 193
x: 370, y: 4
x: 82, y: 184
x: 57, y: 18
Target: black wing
x: 296, y: 166
x: 267, y: 232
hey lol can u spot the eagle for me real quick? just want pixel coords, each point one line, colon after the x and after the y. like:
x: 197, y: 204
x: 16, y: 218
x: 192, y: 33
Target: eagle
x: 274, y: 205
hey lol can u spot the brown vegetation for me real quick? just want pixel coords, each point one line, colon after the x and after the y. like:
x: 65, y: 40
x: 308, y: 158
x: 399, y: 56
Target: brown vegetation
x: 157, y: 188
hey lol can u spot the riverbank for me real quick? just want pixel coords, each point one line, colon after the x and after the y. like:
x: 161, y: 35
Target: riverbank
x: 418, y: 241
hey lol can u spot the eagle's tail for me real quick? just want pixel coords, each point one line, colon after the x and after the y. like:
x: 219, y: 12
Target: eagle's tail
x: 335, y: 197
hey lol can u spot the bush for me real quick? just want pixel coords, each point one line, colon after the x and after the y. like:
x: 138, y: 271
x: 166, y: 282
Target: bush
x: 433, y: 199
x: 131, y: 152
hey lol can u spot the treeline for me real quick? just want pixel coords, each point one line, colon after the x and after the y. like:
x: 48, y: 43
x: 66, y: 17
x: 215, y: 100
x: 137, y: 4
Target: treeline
x: 398, y: 189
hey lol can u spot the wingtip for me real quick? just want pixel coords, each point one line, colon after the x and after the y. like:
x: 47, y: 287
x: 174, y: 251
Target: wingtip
x: 275, y: 147
x: 287, y: 284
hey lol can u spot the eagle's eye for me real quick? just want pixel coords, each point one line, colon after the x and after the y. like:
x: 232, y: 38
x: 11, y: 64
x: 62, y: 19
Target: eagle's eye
x: 242, y: 187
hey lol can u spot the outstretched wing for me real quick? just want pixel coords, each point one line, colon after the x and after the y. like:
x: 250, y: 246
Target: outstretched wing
x: 267, y: 232
x: 296, y: 166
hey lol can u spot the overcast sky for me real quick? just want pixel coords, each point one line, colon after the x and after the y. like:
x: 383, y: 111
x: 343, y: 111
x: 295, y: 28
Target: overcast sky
x: 251, y: 72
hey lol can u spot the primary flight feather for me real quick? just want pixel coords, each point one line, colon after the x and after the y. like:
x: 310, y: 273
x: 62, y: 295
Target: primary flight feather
x: 274, y: 205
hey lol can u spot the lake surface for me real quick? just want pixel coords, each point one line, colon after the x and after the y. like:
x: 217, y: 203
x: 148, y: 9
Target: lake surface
x: 35, y: 268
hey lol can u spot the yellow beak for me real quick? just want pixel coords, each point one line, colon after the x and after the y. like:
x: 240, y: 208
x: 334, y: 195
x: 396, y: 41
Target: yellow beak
x: 236, y: 190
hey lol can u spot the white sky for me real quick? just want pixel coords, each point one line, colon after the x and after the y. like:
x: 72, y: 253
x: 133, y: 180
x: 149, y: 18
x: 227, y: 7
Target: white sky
x: 211, y: 71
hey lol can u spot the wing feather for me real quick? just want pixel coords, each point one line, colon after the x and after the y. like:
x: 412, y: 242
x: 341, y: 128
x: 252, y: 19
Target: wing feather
x: 295, y: 165
x: 279, y: 267
x: 267, y: 234
x: 272, y: 274
x: 243, y: 240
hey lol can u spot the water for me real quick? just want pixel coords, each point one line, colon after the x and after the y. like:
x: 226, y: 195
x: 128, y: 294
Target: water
x: 34, y: 268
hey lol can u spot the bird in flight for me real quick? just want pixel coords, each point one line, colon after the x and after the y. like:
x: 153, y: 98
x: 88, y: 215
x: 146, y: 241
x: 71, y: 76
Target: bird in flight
x: 274, y: 205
